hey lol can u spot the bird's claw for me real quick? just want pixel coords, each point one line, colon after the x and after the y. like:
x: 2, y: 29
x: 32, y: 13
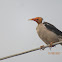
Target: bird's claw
x: 51, y: 44
x: 42, y: 47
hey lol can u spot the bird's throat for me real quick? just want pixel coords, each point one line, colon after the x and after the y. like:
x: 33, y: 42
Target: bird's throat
x: 38, y: 22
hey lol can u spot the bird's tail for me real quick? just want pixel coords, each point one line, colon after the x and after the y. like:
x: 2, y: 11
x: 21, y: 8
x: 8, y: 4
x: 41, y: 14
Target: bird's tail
x: 61, y: 44
x: 60, y: 39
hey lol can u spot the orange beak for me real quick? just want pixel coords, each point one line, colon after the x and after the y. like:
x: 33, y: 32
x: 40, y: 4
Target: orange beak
x: 31, y: 19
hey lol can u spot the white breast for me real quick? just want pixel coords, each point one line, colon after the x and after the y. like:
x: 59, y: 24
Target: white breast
x: 46, y: 35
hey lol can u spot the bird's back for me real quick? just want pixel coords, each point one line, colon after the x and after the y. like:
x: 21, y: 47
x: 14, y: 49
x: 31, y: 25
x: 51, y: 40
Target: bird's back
x: 52, y: 28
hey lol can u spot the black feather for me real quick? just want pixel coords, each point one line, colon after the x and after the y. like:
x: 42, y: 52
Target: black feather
x: 52, y: 28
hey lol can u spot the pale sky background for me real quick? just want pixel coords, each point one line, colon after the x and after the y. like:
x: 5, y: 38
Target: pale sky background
x: 17, y: 34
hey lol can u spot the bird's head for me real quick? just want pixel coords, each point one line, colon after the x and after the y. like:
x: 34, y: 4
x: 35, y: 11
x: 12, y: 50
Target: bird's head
x: 37, y: 19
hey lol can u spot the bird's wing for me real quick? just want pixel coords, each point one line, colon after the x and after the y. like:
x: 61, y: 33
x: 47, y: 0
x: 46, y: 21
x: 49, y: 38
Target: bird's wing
x: 52, y: 28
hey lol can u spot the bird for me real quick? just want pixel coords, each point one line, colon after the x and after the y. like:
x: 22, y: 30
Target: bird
x: 47, y: 32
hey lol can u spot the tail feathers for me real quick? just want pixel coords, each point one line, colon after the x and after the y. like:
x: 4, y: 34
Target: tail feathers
x: 60, y: 39
x: 61, y: 44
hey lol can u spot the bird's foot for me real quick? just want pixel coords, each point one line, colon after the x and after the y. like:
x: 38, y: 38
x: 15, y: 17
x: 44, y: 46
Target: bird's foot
x: 42, y: 47
x: 51, y: 45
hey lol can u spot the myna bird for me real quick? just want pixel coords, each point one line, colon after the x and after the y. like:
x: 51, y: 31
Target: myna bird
x: 47, y: 32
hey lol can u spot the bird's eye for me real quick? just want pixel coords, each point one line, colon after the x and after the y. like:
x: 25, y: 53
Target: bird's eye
x: 37, y: 19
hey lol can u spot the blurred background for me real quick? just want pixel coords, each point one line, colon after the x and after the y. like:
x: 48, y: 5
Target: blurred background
x: 18, y: 34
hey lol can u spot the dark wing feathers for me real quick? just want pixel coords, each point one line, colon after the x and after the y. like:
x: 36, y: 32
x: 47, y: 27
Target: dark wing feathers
x: 52, y: 28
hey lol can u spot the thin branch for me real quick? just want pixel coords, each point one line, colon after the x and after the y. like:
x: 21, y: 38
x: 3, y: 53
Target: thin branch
x: 30, y: 51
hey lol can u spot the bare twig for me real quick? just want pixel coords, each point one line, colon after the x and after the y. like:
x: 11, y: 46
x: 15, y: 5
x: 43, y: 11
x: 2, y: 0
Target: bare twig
x: 30, y: 51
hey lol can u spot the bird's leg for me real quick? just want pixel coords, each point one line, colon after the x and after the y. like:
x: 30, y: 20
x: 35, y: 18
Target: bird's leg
x: 51, y: 45
x: 42, y: 47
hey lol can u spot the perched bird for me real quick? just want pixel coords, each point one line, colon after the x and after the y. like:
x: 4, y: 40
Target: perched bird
x: 47, y: 32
